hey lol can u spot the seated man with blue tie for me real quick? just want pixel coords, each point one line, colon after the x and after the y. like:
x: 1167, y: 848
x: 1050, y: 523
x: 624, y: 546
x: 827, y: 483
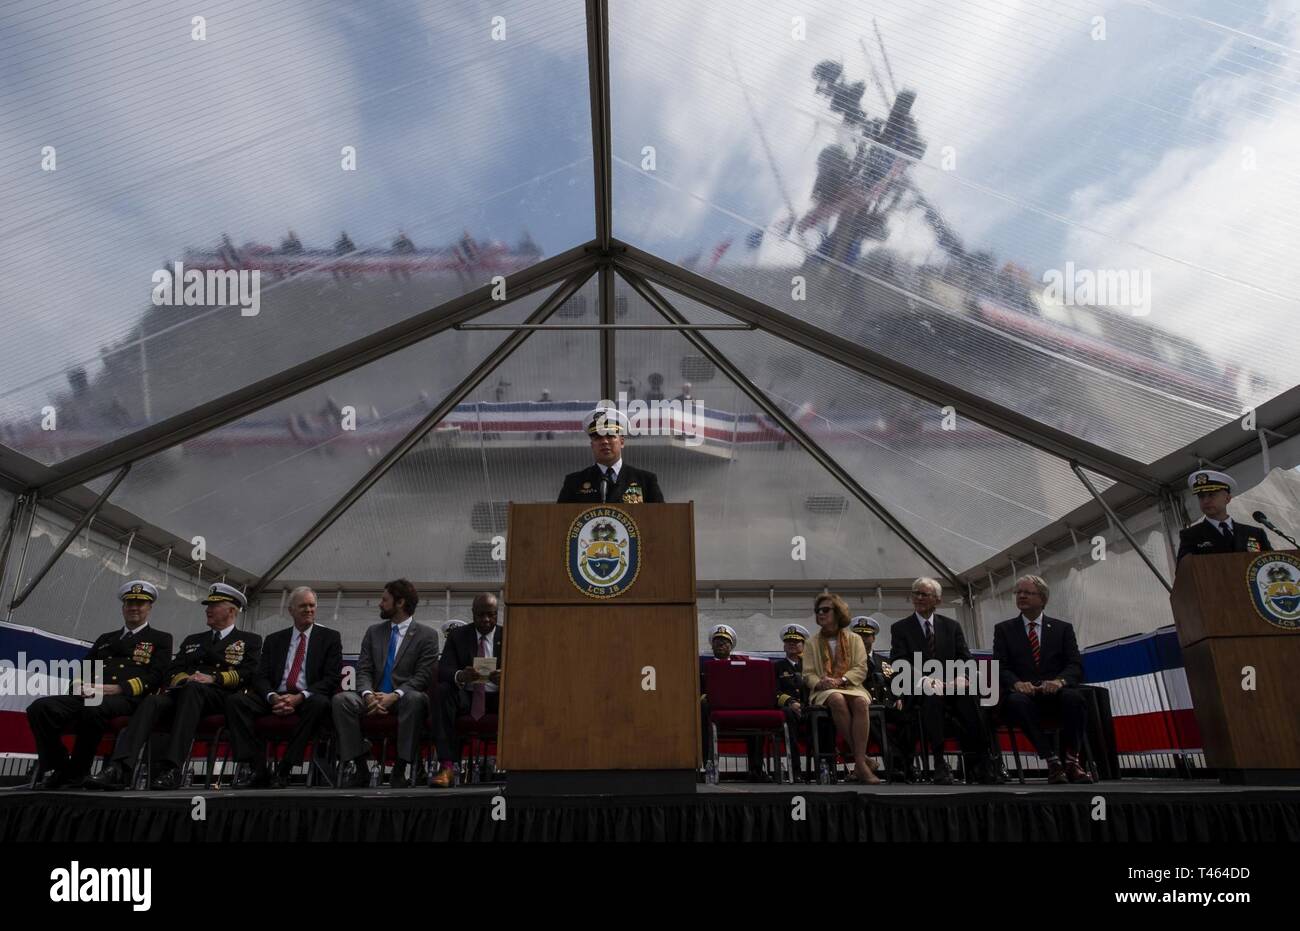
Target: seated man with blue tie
x: 135, y: 658
x: 461, y: 689
x: 1039, y: 666
x: 208, y: 667
x: 394, y: 672
x: 610, y: 480
x: 299, y: 673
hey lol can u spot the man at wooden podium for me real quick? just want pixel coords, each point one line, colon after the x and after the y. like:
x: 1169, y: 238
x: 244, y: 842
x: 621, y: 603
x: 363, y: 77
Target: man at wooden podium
x: 609, y: 480
x: 1218, y: 533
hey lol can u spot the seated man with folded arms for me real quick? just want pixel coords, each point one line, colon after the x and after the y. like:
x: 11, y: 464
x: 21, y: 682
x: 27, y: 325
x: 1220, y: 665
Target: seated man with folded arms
x: 1039, y: 665
x: 461, y: 690
x: 791, y: 696
x: 394, y: 672
x: 135, y: 658
x: 299, y: 673
x: 208, y: 667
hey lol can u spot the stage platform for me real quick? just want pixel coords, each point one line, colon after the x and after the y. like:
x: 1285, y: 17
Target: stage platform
x: 1154, y: 811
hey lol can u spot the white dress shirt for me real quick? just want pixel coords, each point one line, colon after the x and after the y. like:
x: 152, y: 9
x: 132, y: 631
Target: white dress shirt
x: 127, y: 631
x: 301, y: 684
x: 1218, y: 525
x: 617, y: 467
x: 1039, y: 631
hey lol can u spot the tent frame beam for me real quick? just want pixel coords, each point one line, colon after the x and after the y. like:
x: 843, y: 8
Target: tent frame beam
x: 427, y: 423
x: 881, y: 367
x: 84, y: 521
x: 220, y: 411
x: 1123, y: 528
x: 810, y: 446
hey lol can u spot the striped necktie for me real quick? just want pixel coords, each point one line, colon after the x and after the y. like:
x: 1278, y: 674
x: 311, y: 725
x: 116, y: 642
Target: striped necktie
x: 1034, y: 646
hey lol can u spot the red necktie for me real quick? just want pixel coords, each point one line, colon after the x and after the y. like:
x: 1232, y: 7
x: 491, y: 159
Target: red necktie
x: 296, y: 668
x: 478, y: 705
x: 1033, y: 643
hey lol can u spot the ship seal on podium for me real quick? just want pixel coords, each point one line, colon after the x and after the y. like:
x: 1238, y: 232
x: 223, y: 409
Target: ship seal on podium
x: 1274, y: 582
x: 604, y: 552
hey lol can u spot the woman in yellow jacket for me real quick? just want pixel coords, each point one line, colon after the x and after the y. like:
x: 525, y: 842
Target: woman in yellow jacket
x: 834, y: 668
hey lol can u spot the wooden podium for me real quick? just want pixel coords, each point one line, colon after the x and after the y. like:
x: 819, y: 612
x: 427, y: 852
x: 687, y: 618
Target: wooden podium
x: 577, y: 712
x: 1250, y: 736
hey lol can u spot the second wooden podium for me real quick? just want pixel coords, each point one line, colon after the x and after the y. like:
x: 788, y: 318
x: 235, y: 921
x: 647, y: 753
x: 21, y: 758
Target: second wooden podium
x: 600, y: 670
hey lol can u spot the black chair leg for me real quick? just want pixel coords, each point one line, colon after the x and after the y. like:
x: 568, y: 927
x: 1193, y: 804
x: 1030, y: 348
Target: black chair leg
x: 1015, y: 752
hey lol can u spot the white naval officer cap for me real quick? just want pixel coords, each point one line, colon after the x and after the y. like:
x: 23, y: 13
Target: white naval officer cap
x: 794, y: 632
x: 722, y: 630
x: 137, y: 590
x: 1203, y: 481
x: 221, y: 592
x: 607, y: 421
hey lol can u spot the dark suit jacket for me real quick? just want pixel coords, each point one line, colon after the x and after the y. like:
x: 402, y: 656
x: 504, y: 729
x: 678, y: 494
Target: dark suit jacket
x: 137, y: 663
x: 789, y: 682
x: 907, y: 637
x: 413, y: 667
x: 1202, y: 538
x: 323, y: 664
x: 1057, y: 647
x: 232, y: 661
x: 462, y: 644
x: 584, y: 487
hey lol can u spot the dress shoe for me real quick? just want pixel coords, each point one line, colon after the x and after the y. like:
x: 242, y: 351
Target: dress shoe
x: 1056, y: 773
x: 55, y: 779
x: 444, y: 779
x: 166, y: 780
x: 279, y: 779
x: 112, y: 778
x: 943, y: 775
x: 399, y: 778
x: 356, y: 775
x: 252, y: 776
x: 1076, y: 773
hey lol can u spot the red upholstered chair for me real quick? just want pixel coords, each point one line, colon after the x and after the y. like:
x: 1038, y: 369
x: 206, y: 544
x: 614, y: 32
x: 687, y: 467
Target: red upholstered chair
x: 480, y: 737
x: 742, y: 702
x: 278, y: 729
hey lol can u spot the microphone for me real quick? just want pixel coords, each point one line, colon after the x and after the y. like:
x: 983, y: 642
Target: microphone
x: 1263, y: 519
x: 604, y: 484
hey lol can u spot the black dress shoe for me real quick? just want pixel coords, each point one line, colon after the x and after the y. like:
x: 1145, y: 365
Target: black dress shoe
x: 943, y: 776
x: 1056, y: 773
x: 356, y: 775
x: 279, y: 780
x: 166, y: 780
x: 252, y: 777
x: 399, y: 779
x: 112, y: 778
x: 54, y: 779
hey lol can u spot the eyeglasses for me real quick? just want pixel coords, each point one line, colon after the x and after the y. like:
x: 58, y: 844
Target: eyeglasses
x: 1021, y: 591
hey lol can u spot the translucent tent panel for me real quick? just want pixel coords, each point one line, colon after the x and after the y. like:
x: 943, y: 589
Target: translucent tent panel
x: 964, y: 491
x: 933, y: 237
x: 434, y: 515
x: 78, y: 596
x: 755, y: 488
x: 253, y: 487
x: 477, y: 149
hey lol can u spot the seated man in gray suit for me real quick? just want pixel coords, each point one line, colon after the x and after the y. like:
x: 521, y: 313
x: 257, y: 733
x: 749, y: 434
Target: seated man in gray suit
x: 395, y: 669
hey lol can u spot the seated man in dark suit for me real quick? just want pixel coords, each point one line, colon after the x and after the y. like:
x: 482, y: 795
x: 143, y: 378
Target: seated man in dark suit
x: 135, y: 658
x: 208, y: 667
x: 1039, y: 666
x: 933, y: 636
x: 394, y: 672
x: 461, y: 690
x: 1218, y: 532
x: 298, y: 674
x: 610, y: 480
x: 791, y: 697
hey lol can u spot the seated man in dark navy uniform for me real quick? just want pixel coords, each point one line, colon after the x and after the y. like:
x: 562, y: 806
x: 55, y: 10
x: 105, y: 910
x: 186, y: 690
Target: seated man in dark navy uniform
x: 1218, y: 532
x: 135, y: 657
x: 791, y: 696
x: 610, y: 480
x: 1039, y: 665
x: 208, y: 667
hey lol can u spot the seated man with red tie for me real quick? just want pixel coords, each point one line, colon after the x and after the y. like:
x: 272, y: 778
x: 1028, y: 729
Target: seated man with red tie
x: 298, y: 674
x: 463, y: 690
x: 1039, y: 665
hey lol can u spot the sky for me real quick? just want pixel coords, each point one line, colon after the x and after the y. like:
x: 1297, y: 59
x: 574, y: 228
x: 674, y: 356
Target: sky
x: 1126, y: 151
